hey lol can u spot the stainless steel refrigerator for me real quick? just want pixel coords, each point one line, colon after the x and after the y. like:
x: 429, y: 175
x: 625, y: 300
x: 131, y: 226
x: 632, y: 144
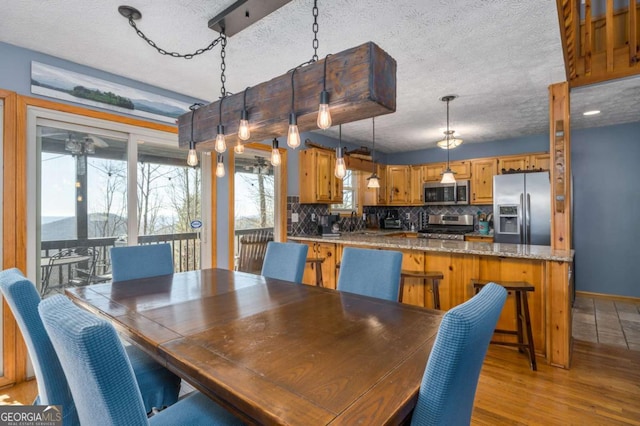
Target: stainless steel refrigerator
x: 522, y: 208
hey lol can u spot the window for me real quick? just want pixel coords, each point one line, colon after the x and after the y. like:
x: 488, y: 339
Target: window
x: 349, y: 194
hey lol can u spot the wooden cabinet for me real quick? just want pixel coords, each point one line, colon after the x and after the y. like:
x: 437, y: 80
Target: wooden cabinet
x: 326, y: 251
x: 523, y: 162
x: 398, y: 185
x: 482, y: 172
x: 540, y: 161
x: 433, y: 172
x: 462, y: 169
x: 415, y: 181
x: 382, y: 191
x: 318, y: 183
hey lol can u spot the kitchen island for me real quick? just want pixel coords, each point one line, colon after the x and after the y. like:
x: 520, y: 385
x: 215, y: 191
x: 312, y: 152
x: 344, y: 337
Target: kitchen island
x: 548, y: 270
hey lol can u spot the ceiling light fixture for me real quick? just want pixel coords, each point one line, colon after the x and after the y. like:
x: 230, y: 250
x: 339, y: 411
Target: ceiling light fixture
x: 192, y: 156
x: 373, y: 181
x: 341, y: 168
x: 243, y: 127
x: 276, y: 159
x: 220, y: 172
x: 448, y: 175
x: 324, y: 115
x: 293, y: 135
x: 593, y: 112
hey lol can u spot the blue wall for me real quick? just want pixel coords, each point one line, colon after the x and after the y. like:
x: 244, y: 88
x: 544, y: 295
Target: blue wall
x: 606, y: 201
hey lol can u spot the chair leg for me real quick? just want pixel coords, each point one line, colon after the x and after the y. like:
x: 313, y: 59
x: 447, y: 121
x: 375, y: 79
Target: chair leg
x: 519, y: 320
x: 435, y: 284
x: 527, y: 318
x: 401, y: 292
x: 319, y: 282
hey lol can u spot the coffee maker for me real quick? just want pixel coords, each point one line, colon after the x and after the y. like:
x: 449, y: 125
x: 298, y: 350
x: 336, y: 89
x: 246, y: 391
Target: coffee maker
x: 328, y: 225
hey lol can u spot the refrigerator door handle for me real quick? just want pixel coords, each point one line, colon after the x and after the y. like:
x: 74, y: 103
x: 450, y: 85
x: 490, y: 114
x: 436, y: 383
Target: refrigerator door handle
x: 520, y: 213
x: 528, y: 219
x: 455, y: 192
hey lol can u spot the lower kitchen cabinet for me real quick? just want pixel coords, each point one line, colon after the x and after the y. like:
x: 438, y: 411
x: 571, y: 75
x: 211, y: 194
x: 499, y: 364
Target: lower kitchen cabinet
x: 326, y: 251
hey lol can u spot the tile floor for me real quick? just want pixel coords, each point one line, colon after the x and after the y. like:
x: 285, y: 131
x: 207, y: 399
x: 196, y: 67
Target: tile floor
x: 607, y: 321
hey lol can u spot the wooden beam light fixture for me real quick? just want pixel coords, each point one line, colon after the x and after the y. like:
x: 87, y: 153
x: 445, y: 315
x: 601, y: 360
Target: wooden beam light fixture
x: 361, y: 80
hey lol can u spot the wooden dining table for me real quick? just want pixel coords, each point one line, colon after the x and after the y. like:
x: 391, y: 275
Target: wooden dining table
x: 272, y: 351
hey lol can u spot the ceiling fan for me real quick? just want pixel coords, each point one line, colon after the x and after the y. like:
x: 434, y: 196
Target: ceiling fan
x: 78, y: 143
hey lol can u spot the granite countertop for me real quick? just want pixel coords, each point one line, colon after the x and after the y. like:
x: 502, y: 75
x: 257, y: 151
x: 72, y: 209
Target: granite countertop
x: 378, y: 240
x: 478, y: 234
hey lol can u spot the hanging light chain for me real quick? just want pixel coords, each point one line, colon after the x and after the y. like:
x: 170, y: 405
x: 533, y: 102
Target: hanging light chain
x: 223, y: 65
x: 172, y: 54
x: 314, y: 27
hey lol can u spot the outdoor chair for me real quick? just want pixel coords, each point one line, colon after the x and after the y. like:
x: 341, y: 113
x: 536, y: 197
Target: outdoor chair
x: 252, y: 250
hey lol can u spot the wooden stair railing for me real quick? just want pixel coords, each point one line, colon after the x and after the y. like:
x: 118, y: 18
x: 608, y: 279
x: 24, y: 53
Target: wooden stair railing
x: 599, y: 46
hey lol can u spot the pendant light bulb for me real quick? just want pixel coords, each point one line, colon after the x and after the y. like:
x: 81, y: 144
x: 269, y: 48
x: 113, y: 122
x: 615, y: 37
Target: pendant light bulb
x: 341, y: 167
x: 220, y: 172
x: 238, y: 148
x: 324, y: 115
x: 293, y: 136
x: 192, y: 156
x: 243, y: 128
x: 276, y: 159
x: 221, y: 144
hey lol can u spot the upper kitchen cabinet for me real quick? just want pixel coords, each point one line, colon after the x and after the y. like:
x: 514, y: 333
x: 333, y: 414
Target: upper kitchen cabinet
x: 462, y: 169
x: 415, y: 183
x: 521, y: 163
x: 482, y: 173
x: 318, y: 183
x: 398, y: 185
x: 382, y: 178
x: 432, y: 172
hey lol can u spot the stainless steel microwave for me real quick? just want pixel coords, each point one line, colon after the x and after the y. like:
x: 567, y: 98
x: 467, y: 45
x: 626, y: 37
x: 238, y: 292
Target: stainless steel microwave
x: 445, y: 194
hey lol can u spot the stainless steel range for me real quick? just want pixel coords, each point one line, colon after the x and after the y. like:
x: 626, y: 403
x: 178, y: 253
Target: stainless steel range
x: 447, y: 226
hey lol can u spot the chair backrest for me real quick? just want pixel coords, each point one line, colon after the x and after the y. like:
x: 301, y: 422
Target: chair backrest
x: 132, y: 262
x: 252, y: 251
x: 451, y: 377
x: 285, y: 261
x: 23, y: 299
x: 374, y: 273
x: 99, y: 373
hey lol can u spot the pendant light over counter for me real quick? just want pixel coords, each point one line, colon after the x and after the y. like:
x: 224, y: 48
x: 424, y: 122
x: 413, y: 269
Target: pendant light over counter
x: 448, y: 143
x: 341, y: 168
x: 373, y: 181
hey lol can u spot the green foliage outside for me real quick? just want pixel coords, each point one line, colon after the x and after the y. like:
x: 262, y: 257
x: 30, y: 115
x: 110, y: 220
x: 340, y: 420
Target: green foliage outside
x: 103, y: 97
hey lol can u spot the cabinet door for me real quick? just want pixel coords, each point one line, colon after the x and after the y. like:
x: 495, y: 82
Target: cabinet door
x: 398, y: 184
x: 462, y: 169
x: 432, y: 172
x: 482, y: 172
x: 415, y: 179
x: 382, y: 191
x: 369, y: 196
x: 324, y: 175
x: 336, y: 184
x: 540, y: 162
x: 511, y: 163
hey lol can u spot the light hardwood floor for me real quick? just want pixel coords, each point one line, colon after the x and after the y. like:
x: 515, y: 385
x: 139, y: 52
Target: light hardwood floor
x: 601, y: 388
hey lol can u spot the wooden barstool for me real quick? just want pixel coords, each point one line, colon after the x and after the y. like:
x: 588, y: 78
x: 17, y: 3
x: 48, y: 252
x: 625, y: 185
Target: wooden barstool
x: 430, y: 276
x: 316, y: 263
x: 523, y: 319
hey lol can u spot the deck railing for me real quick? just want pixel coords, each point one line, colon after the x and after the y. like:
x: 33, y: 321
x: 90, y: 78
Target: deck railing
x: 186, y: 254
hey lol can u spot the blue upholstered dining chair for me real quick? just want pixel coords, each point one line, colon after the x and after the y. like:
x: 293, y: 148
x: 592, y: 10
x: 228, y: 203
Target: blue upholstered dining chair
x: 451, y: 377
x: 374, y: 273
x: 158, y: 385
x: 285, y: 261
x: 101, y: 378
x: 132, y: 262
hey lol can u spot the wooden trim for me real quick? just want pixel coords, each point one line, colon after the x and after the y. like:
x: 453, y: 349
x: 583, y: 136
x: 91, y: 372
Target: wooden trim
x: 213, y: 242
x: 101, y: 115
x: 612, y: 297
x: 633, y: 33
x: 588, y: 38
x: 560, y: 146
x: 610, y: 41
x: 231, y: 208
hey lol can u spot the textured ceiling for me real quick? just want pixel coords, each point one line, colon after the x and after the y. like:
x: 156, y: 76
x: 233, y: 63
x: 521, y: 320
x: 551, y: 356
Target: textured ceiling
x: 498, y: 56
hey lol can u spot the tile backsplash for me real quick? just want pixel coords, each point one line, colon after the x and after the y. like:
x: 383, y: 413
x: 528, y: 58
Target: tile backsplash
x: 306, y: 226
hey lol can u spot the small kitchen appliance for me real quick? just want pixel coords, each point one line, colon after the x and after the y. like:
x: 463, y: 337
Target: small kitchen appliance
x: 392, y: 221
x: 444, y: 194
x: 328, y: 225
